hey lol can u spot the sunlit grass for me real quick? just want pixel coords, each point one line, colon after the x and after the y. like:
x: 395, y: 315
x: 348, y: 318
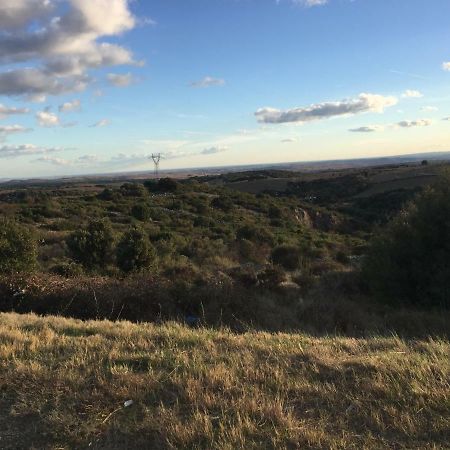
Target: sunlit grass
x: 63, y: 384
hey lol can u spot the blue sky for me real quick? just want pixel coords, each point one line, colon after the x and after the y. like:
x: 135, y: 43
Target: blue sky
x: 97, y: 86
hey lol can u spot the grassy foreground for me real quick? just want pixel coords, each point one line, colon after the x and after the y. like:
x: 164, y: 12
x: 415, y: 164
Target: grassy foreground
x: 63, y: 384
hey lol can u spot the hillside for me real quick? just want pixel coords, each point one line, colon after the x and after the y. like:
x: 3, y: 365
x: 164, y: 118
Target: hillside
x: 64, y: 383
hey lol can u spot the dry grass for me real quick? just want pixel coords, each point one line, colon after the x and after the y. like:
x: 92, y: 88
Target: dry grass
x: 63, y: 383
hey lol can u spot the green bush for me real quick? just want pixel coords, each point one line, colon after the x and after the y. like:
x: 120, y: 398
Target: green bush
x: 287, y: 256
x: 92, y: 246
x: 132, y: 190
x: 18, y: 249
x: 254, y: 234
x: 162, y: 185
x: 141, y: 212
x: 135, y: 252
x: 410, y: 261
x: 67, y: 270
x: 224, y: 203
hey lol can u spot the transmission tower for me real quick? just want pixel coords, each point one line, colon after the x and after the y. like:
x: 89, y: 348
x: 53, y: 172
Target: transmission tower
x: 156, y: 157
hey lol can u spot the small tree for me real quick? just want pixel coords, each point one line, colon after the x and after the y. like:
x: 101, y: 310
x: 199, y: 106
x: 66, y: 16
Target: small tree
x: 135, y: 252
x: 409, y: 262
x: 92, y: 246
x: 18, y: 249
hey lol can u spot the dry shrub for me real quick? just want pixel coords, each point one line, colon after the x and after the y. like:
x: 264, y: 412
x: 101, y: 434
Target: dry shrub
x: 333, y: 305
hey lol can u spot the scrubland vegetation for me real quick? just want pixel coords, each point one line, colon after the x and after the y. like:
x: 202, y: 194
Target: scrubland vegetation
x: 355, y: 268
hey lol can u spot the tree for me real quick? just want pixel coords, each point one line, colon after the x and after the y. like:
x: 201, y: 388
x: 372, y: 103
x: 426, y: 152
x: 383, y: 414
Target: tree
x: 409, y: 262
x: 18, y: 248
x: 134, y: 252
x: 92, y: 246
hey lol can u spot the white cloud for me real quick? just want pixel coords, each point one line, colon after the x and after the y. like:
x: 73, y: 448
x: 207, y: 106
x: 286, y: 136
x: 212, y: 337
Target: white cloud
x: 213, y: 150
x: 11, y: 129
x: 82, y: 161
x: 54, y: 161
x: 310, y: 3
x: 47, y: 119
x: 446, y: 66
x: 19, y: 13
x: 6, y: 111
x: 412, y: 94
x: 62, y: 40
x: 120, y: 80
x: 289, y: 140
x: 430, y: 108
x: 398, y: 125
x: 15, y: 151
x: 36, y: 84
x: 208, y: 82
x: 364, y: 103
x: 415, y: 123
x: 88, y: 159
x: 367, y: 129
x: 307, y: 3
x: 101, y: 123
x: 74, y: 105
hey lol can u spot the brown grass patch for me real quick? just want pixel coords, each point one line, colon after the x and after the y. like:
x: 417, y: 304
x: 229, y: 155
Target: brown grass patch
x: 63, y: 384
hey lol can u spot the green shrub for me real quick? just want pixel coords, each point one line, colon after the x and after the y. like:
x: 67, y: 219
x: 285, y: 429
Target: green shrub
x: 135, y: 252
x: 162, y: 185
x: 287, y: 256
x: 67, y: 270
x: 18, y: 249
x: 271, y: 277
x: 109, y: 195
x: 275, y: 212
x: 254, y: 234
x: 132, y: 190
x: 223, y: 202
x: 409, y: 262
x: 141, y: 212
x: 92, y: 246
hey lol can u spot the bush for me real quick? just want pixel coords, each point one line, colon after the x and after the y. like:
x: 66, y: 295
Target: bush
x: 132, y: 190
x: 92, y: 247
x: 410, y: 261
x: 254, y: 234
x: 162, y: 185
x: 271, y: 277
x: 141, y: 212
x: 275, y: 212
x: 224, y: 203
x: 18, y: 249
x: 287, y: 256
x: 67, y: 270
x: 135, y: 252
x: 109, y: 195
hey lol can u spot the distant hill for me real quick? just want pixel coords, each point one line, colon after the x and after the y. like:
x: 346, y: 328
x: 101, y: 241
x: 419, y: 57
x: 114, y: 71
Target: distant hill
x: 308, y: 166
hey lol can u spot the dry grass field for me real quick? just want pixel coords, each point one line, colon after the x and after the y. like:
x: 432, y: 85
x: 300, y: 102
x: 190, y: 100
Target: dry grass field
x: 63, y: 384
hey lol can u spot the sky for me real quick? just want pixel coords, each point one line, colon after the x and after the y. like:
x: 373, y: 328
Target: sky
x: 97, y: 86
